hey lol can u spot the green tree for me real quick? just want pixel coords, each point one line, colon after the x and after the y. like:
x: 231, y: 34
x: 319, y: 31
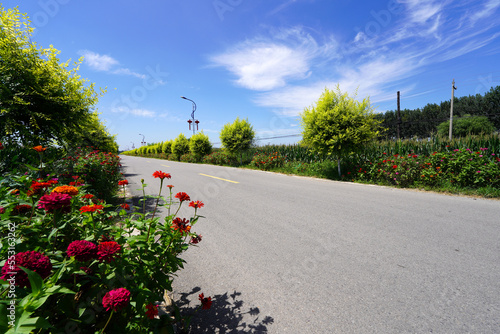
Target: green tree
x: 180, y: 146
x: 167, y: 147
x: 41, y: 100
x: 338, y: 125
x: 199, y: 145
x: 237, y: 137
x: 467, y: 125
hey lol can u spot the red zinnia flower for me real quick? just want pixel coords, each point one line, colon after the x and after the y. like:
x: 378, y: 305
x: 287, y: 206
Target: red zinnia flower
x: 91, y: 208
x: 206, y: 303
x: 170, y: 186
x: 39, y: 148
x: 395, y: 166
x: 38, y: 187
x: 21, y: 208
x: 55, y: 201
x: 88, y: 196
x: 82, y: 250
x: 196, y: 204
x: 116, y: 299
x: 152, y: 311
x: 1, y: 146
x: 108, y: 250
x: 125, y: 206
x: 122, y: 182
x: 2, y: 210
x: 182, y: 197
x: 181, y: 225
x: 161, y: 175
x: 32, y: 260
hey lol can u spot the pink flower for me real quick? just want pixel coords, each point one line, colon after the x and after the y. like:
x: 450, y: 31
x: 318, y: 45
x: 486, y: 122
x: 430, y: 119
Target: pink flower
x: 55, y: 201
x: 82, y: 250
x: 32, y: 260
x: 116, y: 299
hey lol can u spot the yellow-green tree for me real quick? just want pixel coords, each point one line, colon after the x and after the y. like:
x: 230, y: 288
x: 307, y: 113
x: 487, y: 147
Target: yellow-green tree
x: 199, y: 145
x: 41, y: 99
x: 237, y: 137
x: 338, y: 125
x: 180, y: 146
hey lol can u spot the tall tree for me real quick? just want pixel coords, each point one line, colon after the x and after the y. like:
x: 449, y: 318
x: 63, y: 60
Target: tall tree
x: 41, y: 100
x: 338, y: 125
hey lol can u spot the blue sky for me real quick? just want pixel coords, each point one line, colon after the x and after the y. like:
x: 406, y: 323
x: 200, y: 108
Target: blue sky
x: 265, y: 60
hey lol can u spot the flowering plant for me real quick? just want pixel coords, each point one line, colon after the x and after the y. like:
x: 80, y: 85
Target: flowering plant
x: 92, y: 269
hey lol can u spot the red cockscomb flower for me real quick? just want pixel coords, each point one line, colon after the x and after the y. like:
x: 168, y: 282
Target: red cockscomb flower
x: 32, y: 260
x: 122, y: 182
x: 108, y: 251
x: 196, y: 239
x: 152, y: 311
x: 82, y: 250
x: 91, y: 208
x: 206, y: 303
x: 161, y: 175
x: 39, y: 148
x: 182, y: 197
x: 196, y: 204
x: 116, y: 299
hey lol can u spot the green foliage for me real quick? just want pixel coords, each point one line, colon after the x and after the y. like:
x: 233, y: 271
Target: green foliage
x: 167, y: 147
x: 468, y: 125
x: 199, y: 145
x: 219, y: 158
x: 237, y: 137
x: 267, y: 161
x: 338, y: 125
x: 189, y: 157
x: 41, y: 99
x: 180, y: 146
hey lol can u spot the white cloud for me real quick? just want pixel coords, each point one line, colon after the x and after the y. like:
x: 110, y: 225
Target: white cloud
x: 106, y: 63
x: 266, y: 64
x: 488, y: 10
x: 134, y: 112
x: 98, y: 62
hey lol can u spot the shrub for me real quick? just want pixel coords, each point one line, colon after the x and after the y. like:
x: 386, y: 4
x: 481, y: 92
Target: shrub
x: 267, y: 161
x: 219, y: 158
x: 189, y: 157
x: 199, y: 145
x: 468, y: 125
x: 180, y: 146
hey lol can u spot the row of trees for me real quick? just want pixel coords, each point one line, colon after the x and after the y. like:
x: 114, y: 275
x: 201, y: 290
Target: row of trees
x: 423, y: 122
x: 42, y: 100
x: 236, y: 138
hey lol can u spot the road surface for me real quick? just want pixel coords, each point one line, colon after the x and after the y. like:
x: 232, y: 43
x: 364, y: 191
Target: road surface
x: 287, y: 254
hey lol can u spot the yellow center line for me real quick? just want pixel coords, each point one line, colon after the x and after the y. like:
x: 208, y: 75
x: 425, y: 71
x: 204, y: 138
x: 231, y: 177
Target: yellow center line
x: 165, y: 166
x: 218, y: 178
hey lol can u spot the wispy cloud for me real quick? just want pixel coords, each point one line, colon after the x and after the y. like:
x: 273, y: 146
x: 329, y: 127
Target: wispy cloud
x: 291, y: 67
x: 134, y: 112
x: 106, y: 63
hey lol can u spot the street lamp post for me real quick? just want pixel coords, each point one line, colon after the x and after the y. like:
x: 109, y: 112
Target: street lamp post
x: 192, y: 121
x: 143, y: 142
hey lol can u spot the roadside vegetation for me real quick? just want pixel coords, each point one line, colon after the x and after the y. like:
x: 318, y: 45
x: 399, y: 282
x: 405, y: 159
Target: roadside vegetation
x: 344, y: 140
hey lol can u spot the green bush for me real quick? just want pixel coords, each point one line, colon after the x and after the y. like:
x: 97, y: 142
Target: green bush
x: 199, y: 145
x: 467, y: 125
x: 189, y: 157
x: 267, y: 161
x: 180, y: 146
x: 219, y: 158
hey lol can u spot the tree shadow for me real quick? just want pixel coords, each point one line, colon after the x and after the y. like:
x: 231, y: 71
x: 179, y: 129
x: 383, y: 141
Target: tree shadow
x: 227, y: 314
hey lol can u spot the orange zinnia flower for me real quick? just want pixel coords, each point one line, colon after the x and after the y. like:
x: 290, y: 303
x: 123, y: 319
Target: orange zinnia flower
x: 39, y: 148
x: 70, y: 190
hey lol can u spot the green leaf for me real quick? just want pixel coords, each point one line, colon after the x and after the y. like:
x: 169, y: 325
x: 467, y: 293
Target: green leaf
x: 36, y: 281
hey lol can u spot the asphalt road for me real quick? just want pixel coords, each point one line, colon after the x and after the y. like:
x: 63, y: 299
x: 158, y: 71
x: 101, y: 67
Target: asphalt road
x: 286, y: 254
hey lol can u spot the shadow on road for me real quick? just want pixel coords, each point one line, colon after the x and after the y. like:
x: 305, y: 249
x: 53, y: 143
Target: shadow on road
x: 227, y: 314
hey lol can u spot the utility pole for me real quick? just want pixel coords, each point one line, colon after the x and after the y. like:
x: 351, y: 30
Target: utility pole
x: 399, y: 116
x: 451, y: 108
